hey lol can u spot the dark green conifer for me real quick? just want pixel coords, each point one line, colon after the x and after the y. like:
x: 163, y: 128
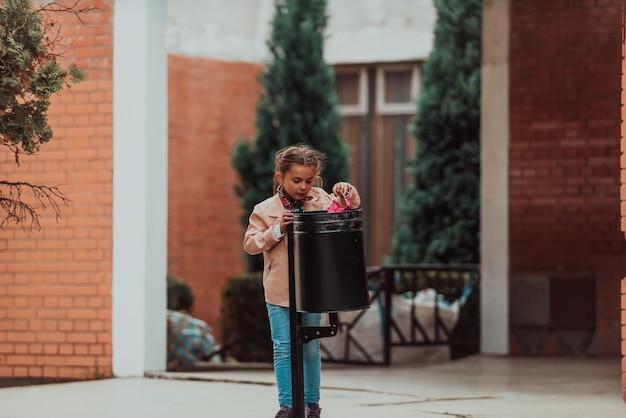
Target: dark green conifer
x: 298, y: 105
x: 441, y: 208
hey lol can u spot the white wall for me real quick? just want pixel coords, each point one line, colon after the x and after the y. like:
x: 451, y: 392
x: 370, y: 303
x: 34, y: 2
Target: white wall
x: 233, y: 30
x: 379, y: 30
x: 358, y: 30
x: 139, y: 187
x: 494, y: 187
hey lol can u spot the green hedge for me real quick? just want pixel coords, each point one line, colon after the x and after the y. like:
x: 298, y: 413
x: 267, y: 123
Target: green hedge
x: 179, y: 294
x: 245, y: 327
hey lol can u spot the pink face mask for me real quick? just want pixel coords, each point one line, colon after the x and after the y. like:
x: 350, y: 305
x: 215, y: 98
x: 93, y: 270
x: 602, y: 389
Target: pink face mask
x: 336, y: 206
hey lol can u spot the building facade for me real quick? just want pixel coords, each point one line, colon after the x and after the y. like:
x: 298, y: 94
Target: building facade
x: 143, y: 148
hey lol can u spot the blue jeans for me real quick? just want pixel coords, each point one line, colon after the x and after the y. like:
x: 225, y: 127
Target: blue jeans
x: 311, y: 359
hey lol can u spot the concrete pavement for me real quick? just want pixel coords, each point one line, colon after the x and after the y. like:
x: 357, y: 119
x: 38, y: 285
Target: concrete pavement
x: 478, y: 386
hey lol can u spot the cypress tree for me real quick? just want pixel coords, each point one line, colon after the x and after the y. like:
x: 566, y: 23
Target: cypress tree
x: 298, y: 105
x: 441, y: 207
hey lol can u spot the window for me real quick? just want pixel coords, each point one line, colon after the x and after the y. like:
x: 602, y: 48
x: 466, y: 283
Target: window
x: 377, y: 106
x: 351, y: 86
x: 397, y: 89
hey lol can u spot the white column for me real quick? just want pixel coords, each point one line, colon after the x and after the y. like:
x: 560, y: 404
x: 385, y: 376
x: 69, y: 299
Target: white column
x: 139, y: 187
x: 494, y: 158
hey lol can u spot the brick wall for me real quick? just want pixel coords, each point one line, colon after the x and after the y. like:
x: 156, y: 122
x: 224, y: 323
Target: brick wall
x: 623, y: 195
x: 212, y: 106
x: 55, y: 283
x: 564, y: 149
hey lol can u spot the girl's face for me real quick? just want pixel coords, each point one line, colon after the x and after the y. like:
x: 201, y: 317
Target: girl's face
x: 297, y: 181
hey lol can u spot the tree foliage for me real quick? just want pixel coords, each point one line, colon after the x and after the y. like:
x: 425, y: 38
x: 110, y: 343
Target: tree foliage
x: 441, y: 208
x: 29, y: 75
x: 298, y: 105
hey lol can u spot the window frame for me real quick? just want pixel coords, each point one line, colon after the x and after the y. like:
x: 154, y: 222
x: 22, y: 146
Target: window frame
x: 394, y: 108
x: 361, y: 108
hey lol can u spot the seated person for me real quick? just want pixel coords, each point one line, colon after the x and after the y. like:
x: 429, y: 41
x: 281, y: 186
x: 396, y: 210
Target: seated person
x: 189, y: 339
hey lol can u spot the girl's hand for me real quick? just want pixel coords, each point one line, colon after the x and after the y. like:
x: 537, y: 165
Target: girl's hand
x: 342, y: 189
x: 286, y: 220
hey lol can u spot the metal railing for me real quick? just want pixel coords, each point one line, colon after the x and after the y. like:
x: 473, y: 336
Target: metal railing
x: 451, y: 282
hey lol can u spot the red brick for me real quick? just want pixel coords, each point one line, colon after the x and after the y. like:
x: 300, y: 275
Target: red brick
x: 35, y: 371
x: 51, y: 361
x: 20, y: 371
x: 564, y: 151
x: 216, y: 136
x: 35, y: 348
x: 15, y: 359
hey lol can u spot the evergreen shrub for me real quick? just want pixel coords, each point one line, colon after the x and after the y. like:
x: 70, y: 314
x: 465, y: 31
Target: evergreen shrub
x: 245, y: 327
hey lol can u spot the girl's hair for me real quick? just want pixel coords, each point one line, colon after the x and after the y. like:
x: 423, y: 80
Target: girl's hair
x: 299, y: 155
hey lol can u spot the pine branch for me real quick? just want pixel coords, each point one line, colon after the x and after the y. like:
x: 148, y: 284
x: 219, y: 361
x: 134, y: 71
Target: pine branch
x: 51, y: 35
x: 13, y: 148
x: 55, y: 7
x: 17, y: 210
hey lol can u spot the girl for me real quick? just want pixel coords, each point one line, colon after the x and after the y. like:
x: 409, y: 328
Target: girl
x: 296, y: 186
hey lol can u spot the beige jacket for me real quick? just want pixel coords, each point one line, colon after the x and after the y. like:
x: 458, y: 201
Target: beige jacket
x: 260, y: 238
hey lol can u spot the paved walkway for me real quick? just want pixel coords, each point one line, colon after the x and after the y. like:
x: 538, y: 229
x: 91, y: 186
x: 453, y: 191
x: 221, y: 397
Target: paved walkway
x: 476, y: 387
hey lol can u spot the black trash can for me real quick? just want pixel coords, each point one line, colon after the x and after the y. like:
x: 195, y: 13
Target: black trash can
x: 329, y: 261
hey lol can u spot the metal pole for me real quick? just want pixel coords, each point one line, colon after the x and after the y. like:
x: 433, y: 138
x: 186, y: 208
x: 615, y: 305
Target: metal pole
x: 295, y: 321
x: 389, y: 291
